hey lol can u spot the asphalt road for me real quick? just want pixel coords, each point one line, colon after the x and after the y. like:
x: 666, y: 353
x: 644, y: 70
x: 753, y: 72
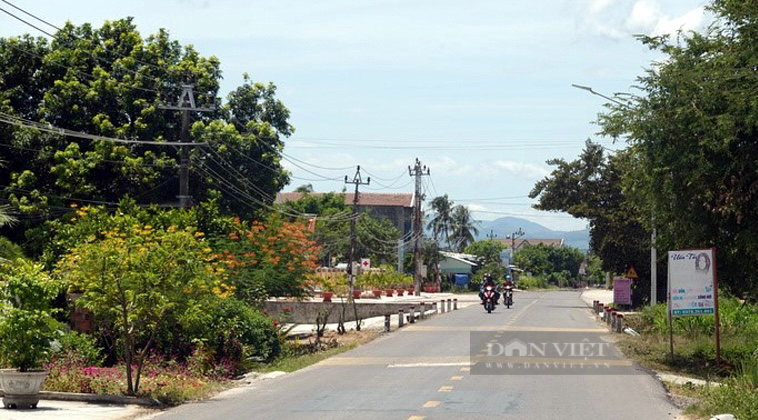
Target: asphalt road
x: 545, y: 358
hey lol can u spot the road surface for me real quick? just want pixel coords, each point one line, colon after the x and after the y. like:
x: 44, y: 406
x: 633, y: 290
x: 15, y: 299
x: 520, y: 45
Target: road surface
x: 545, y: 358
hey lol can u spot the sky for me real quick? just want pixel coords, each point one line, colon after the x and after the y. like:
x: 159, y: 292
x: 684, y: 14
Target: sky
x: 479, y: 91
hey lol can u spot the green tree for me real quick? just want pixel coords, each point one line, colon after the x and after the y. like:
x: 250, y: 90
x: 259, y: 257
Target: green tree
x: 489, y: 251
x: 463, y: 228
x: 136, y: 279
x: 442, y: 222
x: 559, y: 265
x: 692, y: 131
x: 591, y: 188
x: 110, y: 81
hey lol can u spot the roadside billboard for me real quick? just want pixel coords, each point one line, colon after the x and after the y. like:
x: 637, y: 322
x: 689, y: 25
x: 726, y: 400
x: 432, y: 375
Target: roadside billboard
x: 692, y: 282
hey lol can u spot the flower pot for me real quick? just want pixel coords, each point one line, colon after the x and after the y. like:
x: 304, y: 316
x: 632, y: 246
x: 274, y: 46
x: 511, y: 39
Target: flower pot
x: 357, y: 294
x: 377, y: 293
x: 327, y: 296
x: 400, y: 292
x: 390, y: 292
x: 21, y: 389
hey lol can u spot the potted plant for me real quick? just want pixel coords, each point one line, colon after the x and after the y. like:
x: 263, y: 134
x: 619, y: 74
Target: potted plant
x: 26, y: 330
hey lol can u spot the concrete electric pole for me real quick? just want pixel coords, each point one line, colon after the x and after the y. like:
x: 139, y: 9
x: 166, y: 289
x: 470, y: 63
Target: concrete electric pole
x: 417, y: 171
x: 185, y: 103
x: 357, y: 181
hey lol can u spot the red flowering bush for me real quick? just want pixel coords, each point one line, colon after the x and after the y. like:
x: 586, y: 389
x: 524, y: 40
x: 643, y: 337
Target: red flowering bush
x: 269, y: 258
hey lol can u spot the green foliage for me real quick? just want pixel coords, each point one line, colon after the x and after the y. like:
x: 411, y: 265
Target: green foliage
x: 692, y: 131
x: 532, y: 282
x: 237, y: 335
x: 56, y: 237
x: 388, y: 278
x: 72, y: 345
x: 488, y: 251
x: 463, y: 228
x: 442, y: 222
x: 558, y: 265
x: 9, y: 251
x: 590, y: 187
x: 26, y: 322
x: 111, y: 81
x: 134, y: 279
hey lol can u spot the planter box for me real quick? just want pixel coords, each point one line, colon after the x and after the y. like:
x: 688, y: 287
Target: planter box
x: 21, y: 389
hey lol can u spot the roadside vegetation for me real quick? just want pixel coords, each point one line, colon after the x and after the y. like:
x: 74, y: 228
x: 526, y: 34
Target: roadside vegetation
x: 695, y: 355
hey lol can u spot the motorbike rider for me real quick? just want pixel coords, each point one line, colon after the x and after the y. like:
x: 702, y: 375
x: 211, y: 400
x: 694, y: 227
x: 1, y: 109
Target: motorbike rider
x: 487, y: 280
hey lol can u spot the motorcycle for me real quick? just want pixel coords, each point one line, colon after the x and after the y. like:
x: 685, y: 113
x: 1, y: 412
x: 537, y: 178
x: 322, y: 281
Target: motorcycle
x: 508, y: 296
x: 489, y: 299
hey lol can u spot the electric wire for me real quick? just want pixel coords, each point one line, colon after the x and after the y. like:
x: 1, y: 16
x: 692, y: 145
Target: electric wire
x: 58, y: 38
x: 12, y: 120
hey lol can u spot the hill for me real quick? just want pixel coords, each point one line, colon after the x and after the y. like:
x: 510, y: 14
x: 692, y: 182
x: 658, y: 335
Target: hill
x: 504, y: 226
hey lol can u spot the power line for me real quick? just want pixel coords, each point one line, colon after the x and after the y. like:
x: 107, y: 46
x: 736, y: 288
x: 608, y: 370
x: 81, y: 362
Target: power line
x: 56, y: 37
x: 11, y: 120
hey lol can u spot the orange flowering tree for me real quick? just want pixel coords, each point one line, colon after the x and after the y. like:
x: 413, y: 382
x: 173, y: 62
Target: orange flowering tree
x: 269, y: 258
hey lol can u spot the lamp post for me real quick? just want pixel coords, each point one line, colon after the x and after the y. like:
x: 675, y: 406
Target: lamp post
x: 653, y: 251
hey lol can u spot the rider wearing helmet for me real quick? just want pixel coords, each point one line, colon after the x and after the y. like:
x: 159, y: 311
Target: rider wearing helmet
x: 487, y: 280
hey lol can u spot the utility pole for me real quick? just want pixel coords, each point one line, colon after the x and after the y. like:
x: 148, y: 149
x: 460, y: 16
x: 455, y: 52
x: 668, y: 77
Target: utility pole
x: 492, y: 235
x: 185, y: 103
x: 351, y: 256
x: 417, y: 171
x: 513, y: 237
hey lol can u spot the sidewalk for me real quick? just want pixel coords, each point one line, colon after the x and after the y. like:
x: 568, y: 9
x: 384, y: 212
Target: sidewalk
x: 75, y: 410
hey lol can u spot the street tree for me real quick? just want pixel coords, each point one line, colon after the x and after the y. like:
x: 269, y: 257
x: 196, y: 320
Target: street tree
x: 692, y: 129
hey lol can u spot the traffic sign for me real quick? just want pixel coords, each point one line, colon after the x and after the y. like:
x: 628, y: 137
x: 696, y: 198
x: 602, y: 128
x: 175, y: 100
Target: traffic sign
x: 365, y: 263
x: 631, y: 273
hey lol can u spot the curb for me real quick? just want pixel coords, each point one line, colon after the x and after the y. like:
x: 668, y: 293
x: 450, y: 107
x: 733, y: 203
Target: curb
x: 96, y: 398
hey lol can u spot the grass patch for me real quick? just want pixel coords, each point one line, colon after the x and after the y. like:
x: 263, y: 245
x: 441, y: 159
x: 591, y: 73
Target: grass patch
x: 695, y: 356
x: 298, y: 355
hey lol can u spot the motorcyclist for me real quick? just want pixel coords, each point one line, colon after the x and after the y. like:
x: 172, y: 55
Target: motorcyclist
x: 487, y: 280
x: 508, y: 288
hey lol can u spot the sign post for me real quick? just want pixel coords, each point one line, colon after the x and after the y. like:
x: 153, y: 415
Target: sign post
x: 693, y: 289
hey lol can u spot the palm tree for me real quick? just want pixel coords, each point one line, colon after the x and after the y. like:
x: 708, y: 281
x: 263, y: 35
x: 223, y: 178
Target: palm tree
x: 442, y: 220
x: 463, y: 228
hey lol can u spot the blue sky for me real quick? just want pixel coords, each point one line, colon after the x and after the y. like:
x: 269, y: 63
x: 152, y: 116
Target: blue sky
x: 479, y: 91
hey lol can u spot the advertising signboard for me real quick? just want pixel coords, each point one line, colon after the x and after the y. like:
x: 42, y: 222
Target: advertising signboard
x: 692, y: 282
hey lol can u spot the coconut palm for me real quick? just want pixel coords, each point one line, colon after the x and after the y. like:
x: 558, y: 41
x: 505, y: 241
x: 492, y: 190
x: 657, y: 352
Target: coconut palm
x: 463, y: 228
x: 442, y: 220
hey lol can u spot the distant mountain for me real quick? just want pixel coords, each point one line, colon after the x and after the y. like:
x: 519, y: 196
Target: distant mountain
x: 505, y: 226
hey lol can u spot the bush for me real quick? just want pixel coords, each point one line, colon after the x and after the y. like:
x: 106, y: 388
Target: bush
x: 82, y: 347
x: 238, y: 334
x: 26, y: 322
x: 531, y: 282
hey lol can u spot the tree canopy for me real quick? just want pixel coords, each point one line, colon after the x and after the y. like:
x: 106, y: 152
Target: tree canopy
x: 112, y: 82
x: 693, y: 132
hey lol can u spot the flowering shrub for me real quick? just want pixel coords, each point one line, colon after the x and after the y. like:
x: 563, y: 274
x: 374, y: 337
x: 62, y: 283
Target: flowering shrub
x: 169, y: 382
x: 135, y: 279
x: 271, y: 258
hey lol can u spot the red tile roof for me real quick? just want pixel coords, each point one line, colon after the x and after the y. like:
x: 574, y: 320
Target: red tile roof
x: 366, y: 199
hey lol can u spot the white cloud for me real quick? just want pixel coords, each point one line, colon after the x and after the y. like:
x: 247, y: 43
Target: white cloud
x: 521, y: 169
x: 621, y: 19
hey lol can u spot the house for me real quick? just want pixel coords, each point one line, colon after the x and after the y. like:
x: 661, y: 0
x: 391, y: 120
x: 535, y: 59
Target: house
x: 457, y: 267
x: 397, y: 208
x: 521, y: 242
